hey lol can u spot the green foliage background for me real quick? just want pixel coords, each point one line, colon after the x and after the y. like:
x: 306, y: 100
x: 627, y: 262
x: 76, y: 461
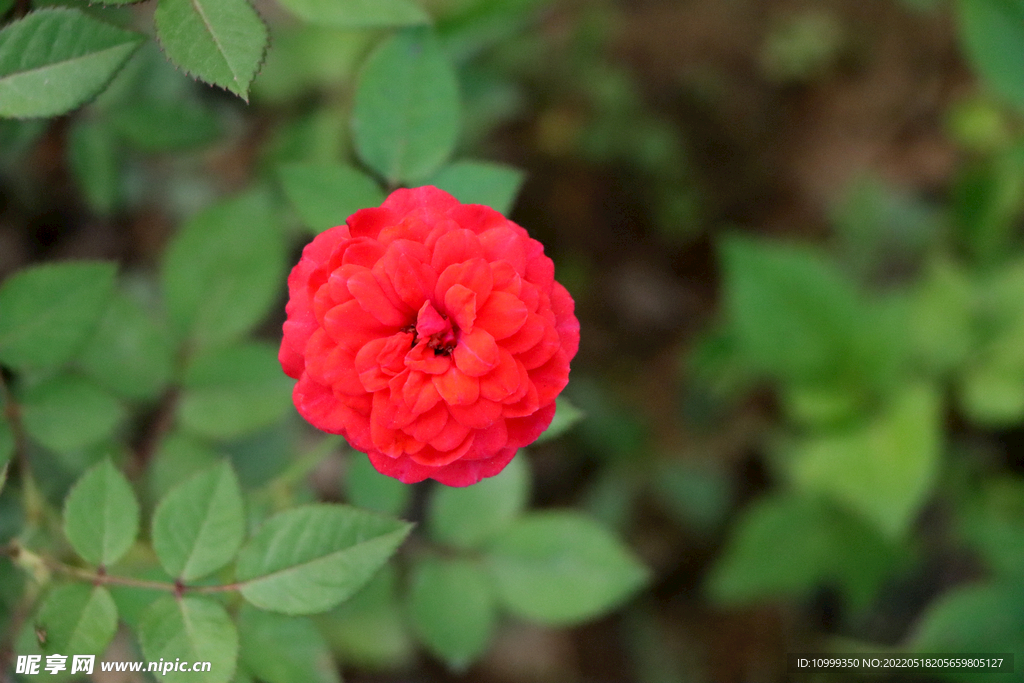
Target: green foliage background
x: 828, y: 460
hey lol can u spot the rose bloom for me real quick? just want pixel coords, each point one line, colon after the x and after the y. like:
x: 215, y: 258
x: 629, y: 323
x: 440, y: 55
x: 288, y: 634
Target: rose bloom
x: 431, y: 334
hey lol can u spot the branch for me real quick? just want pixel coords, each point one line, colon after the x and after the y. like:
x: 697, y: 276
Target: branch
x: 40, y: 566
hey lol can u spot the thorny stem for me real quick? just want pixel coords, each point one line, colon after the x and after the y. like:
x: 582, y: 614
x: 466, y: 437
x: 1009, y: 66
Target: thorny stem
x: 40, y: 566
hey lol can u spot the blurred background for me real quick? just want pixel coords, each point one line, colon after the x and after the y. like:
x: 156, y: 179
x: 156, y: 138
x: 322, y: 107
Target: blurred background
x: 792, y: 231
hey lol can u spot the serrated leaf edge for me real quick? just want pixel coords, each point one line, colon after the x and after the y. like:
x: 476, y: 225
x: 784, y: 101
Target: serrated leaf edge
x: 139, y: 40
x: 244, y: 96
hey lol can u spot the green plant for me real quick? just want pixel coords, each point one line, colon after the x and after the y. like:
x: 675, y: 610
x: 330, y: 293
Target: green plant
x: 153, y: 471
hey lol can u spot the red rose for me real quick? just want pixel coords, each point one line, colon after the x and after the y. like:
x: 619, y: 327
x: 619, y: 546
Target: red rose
x: 431, y: 334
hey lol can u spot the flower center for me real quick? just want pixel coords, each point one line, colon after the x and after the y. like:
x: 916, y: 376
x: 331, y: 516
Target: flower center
x: 437, y: 329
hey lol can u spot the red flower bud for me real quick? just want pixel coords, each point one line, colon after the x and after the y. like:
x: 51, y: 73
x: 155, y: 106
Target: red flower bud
x: 430, y: 334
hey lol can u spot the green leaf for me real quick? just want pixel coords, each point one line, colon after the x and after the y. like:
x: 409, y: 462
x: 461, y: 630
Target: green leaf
x: 794, y: 316
x: 453, y: 609
x: 993, y: 396
x: 129, y: 353
x: 157, y: 108
x: 6, y: 444
x: 367, y: 488
x: 992, y: 524
x: 260, y: 457
x: 94, y: 161
x: 77, y: 619
x: 698, y: 497
x: 47, y: 311
x: 155, y: 126
x: 221, y: 42
x: 883, y: 469
x: 992, y: 34
x: 821, y: 405
x: 68, y: 412
x: 990, y: 386
x: 199, y: 526
x: 566, y: 415
x: 561, y: 568
x: 315, y: 137
x: 787, y: 546
x: 282, y: 649
x: 55, y: 59
x: 223, y: 270
x: 132, y: 601
x: 192, y: 629
x: 234, y: 391
x: 987, y: 200
x: 466, y: 517
x: 369, y: 630
x: 941, y: 316
x: 358, y: 13
x: 101, y: 515
x: 405, y: 119
x: 326, y: 194
x: 178, y: 457
x: 480, y: 182
x: 311, y: 558
x: 881, y: 228
x: 309, y: 58
x: 974, y: 618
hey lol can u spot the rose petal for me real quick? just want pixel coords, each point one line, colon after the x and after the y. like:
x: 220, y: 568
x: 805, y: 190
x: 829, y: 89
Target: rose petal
x: 488, y: 441
x: 405, y: 200
x: 422, y: 358
x: 428, y: 425
x: 401, y: 468
x: 419, y: 392
x: 439, y: 458
x: 480, y: 415
x: 468, y: 472
x: 477, y: 217
x: 474, y: 274
x: 460, y: 302
x: 351, y: 326
x: 502, y: 243
x: 455, y: 246
x: 539, y: 268
x: 456, y: 387
x: 505, y: 278
x: 362, y: 251
x: 551, y: 377
x: 320, y: 406
x: 371, y: 297
x: 527, y: 403
x: 502, y: 315
x: 568, y: 325
x: 527, y: 336
x: 392, y: 357
x: 368, y: 222
x: 412, y: 278
x: 332, y: 365
x: 476, y: 353
x: 541, y: 351
x: 523, y: 431
x: 370, y: 374
x: 451, y: 436
x: 428, y: 321
x: 503, y: 380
